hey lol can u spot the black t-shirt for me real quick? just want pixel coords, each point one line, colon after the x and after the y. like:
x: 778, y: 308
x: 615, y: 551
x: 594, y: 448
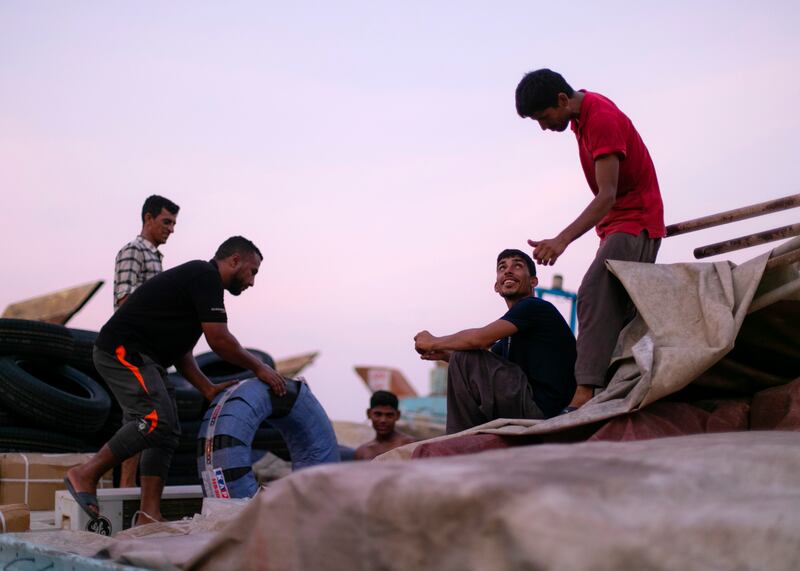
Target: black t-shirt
x: 162, y: 317
x: 544, y: 347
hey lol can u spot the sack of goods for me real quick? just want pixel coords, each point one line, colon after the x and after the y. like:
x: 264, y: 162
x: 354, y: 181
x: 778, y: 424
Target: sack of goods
x: 230, y: 423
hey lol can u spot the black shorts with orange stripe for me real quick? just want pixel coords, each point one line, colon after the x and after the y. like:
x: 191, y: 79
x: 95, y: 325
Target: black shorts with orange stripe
x: 147, y: 400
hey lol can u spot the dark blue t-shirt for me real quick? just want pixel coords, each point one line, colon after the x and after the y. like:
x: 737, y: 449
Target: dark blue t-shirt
x: 544, y: 347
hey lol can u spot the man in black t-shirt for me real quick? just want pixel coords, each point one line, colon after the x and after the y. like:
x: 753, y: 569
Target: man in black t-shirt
x: 158, y: 326
x: 529, y: 372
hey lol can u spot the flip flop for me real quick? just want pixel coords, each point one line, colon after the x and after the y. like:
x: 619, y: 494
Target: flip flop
x: 84, y: 499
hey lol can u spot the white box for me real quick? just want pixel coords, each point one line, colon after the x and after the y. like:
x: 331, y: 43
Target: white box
x: 117, y: 506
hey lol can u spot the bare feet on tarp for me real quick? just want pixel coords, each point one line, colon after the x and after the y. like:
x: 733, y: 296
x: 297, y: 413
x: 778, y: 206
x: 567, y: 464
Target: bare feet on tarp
x: 583, y: 394
x: 144, y: 518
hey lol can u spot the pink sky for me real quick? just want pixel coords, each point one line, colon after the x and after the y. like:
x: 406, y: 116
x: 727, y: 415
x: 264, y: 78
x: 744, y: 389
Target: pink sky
x: 371, y: 150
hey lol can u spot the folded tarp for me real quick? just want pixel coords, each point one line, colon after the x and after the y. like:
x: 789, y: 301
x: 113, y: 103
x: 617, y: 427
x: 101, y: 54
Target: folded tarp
x: 690, y: 317
x: 777, y: 408
x: 659, y: 420
x: 715, y: 501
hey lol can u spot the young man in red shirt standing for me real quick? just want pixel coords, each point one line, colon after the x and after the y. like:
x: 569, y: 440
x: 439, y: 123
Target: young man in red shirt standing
x: 627, y: 211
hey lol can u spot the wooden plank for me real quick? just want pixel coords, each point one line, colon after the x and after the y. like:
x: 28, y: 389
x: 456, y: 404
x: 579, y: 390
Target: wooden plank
x: 291, y: 366
x: 783, y: 260
x: 56, y: 307
x: 779, y: 293
x: 387, y: 379
x: 747, y: 241
x: 734, y: 215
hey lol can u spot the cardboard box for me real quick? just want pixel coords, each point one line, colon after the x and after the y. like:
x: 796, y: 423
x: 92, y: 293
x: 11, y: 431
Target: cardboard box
x: 15, y: 518
x: 33, y: 478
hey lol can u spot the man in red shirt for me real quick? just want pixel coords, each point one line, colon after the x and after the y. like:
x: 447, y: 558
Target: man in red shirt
x: 626, y: 211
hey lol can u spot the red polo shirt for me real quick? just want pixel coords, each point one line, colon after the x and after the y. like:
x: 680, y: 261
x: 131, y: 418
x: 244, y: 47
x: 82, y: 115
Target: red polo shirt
x: 603, y: 129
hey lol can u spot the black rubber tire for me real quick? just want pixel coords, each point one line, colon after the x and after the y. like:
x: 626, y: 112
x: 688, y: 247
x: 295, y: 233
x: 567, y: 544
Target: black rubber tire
x: 35, y: 339
x: 81, y: 357
x: 220, y: 371
x: 7, y: 419
x: 58, y: 396
x: 188, y: 441
x: 191, y: 404
x: 25, y: 439
x: 183, y: 470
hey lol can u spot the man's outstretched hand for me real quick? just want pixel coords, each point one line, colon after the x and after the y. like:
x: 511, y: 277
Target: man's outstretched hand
x: 546, y: 252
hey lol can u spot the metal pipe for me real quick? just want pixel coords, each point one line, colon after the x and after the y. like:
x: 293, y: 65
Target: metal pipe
x: 775, y: 295
x: 747, y: 241
x: 734, y: 215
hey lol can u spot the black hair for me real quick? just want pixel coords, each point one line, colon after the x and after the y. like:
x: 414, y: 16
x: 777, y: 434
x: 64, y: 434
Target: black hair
x: 236, y: 245
x: 383, y: 398
x: 539, y: 90
x: 154, y: 203
x: 514, y: 253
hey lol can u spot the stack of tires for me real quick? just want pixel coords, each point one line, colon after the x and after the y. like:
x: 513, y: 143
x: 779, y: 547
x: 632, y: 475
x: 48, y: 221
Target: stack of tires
x: 53, y: 400
x: 48, y: 402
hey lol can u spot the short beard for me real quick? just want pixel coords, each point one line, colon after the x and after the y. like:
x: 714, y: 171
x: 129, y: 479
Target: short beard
x: 236, y: 287
x: 515, y: 295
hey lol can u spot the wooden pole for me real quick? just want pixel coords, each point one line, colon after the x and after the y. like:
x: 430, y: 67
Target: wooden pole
x: 775, y: 295
x: 747, y: 241
x: 783, y: 260
x: 742, y: 213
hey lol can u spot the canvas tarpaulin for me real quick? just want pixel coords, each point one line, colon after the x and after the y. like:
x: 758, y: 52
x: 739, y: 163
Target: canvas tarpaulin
x: 690, y: 317
x: 714, y: 501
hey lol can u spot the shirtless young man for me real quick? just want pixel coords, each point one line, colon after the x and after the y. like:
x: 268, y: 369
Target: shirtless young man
x: 383, y: 411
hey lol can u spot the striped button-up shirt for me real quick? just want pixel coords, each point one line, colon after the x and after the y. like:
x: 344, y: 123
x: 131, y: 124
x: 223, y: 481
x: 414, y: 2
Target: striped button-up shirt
x: 136, y: 262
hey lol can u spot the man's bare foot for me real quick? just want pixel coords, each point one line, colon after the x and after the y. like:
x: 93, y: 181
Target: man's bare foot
x: 583, y: 394
x: 144, y: 518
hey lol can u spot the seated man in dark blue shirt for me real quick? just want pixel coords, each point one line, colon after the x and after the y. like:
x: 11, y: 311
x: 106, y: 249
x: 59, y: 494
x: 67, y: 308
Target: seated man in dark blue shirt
x: 529, y: 372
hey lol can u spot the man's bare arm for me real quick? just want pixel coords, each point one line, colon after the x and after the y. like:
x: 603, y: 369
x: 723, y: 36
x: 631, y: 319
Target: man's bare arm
x: 468, y: 339
x: 606, y: 169
x: 189, y: 370
x: 224, y: 344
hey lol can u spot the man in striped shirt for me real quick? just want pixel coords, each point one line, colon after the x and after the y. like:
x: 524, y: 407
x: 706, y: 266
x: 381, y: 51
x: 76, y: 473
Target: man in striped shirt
x: 138, y: 261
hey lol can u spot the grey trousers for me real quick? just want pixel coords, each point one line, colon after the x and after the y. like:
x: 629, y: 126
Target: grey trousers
x: 604, y: 306
x: 151, y: 424
x: 482, y: 386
